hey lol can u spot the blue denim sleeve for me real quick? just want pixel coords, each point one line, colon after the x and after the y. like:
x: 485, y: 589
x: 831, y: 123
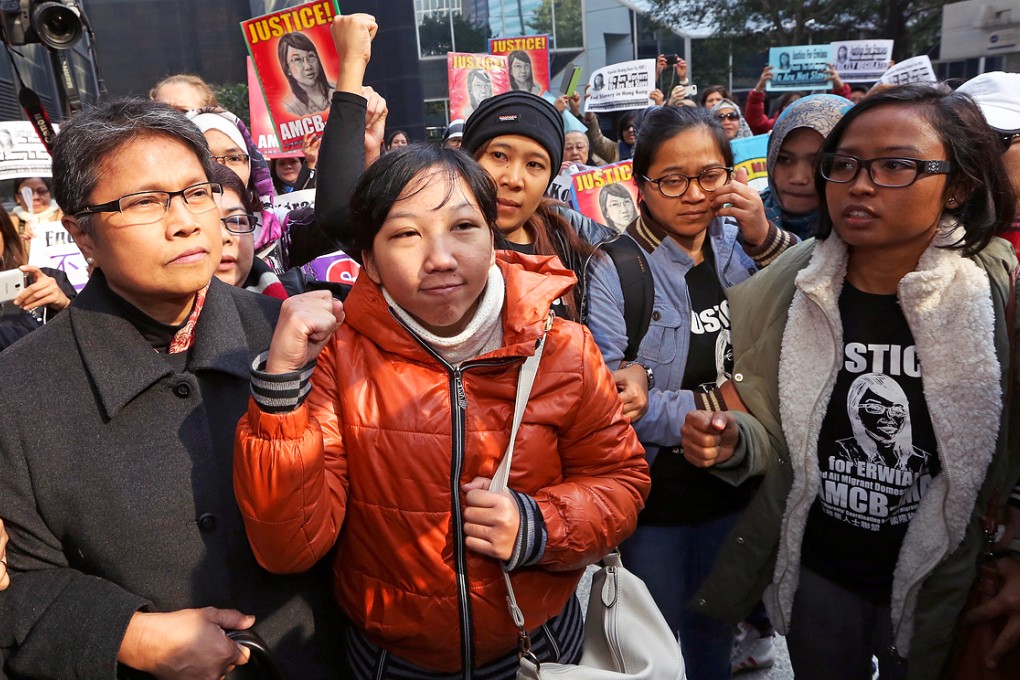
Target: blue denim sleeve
x: 667, y: 404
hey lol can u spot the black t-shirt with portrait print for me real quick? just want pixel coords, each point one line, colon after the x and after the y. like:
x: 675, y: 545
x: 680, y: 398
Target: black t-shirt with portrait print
x: 877, y: 453
x: 683, y: 494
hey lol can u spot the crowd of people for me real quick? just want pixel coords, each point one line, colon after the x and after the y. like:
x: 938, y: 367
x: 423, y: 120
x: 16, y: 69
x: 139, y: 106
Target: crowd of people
x: 790, y: 409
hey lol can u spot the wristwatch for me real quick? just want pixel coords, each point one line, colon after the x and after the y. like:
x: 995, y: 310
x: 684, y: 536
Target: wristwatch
x: 649, y: 373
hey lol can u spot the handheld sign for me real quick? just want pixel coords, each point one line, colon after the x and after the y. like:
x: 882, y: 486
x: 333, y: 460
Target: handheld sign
x: 297, y: 65
x: 620, y: 87
x: 527, y: 59
x: 913, y: 70
x: 801, y: 67
x: 862, y: 61
x: 607, y: 194
x: 474, y: 78
x: 751, y: 153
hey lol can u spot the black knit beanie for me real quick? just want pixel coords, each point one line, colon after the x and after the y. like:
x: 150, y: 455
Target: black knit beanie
x: 517, y: 113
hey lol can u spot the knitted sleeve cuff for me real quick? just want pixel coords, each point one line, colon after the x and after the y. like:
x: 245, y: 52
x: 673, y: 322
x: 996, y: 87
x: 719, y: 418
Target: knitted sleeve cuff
x: 1014, y: 498
x: 531, y: 535
x: 279, y: 392
x: 710, y: 401
x: 776, y: 241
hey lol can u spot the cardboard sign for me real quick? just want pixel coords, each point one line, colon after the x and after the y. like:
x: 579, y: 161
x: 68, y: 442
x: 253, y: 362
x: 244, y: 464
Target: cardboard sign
x: 53, y: 247
x: 261, y: 124
x: 22, y: 153
x: 913, y: 70
x: 751, y: 153
x: 527, y: 61
x: 474, y: 78
x: 297, y: 66
x: 801, y: 67
x: 607, y: 195
x: 862, y: 61
x: 621, y: 87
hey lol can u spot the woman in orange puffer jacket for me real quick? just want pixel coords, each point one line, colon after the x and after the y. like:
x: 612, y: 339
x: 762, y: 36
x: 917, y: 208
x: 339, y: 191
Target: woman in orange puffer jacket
x: 386, y: 448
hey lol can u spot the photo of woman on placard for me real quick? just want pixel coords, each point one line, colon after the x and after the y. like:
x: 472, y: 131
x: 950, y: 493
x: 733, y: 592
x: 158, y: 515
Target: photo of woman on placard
x: 300, y: 62
x: 522, y: 73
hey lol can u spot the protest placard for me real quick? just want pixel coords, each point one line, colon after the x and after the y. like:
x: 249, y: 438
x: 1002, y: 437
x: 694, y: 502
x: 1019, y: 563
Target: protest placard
x: 474, y: 78
x: 284, y: 203
x: 862, y: 61
x: 801, y: 67
x: 53, y: 247
x: 22, y: 153
x: 562, y: 186
x: 607, y: 194
x: 527, y: 59
x: 297, y: 66
x: 261, y: 124
x: 913, y: 70
x: 622, y: 86
x: 751, y: 154
x: 335, y: 267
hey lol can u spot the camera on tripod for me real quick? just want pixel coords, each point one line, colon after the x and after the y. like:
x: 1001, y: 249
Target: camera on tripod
x: 57, y: 24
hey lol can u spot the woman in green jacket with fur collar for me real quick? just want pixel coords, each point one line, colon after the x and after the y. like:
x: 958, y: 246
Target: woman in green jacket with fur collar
x: 875, y: 362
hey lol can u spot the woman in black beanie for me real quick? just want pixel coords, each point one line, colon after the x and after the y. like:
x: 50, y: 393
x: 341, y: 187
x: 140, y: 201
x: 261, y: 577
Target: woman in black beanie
x: 518, y: 138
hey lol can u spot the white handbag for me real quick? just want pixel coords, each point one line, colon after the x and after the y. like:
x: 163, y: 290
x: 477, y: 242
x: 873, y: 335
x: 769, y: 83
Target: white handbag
x: 625, y: 635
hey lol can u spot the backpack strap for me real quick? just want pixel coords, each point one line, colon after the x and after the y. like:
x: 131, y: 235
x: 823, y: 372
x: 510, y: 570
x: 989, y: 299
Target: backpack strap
x: 638, y: 289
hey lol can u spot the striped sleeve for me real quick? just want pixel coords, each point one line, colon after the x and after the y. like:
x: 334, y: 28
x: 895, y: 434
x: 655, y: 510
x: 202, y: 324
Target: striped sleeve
x: 279, y: 392
x: 531, y: 535
x: 1014, y: 498
x: 772, y: 247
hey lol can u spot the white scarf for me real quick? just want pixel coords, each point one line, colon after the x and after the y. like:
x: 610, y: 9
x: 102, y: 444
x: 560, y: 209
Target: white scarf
x: 483, y: 334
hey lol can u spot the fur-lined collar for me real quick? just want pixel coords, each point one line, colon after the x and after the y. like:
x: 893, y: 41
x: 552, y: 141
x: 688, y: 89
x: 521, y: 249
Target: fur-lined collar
x: 948, y: 307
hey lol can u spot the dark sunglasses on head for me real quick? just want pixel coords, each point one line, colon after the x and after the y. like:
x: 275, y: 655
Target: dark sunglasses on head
x: 728, y: 116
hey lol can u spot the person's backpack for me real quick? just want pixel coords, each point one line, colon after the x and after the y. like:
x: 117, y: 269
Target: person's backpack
x: 638, y: 289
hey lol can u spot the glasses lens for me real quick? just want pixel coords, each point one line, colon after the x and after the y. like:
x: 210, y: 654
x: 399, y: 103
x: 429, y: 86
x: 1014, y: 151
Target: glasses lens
x: 202, y: 198
x: 713, y: 178
x: 838, y: 168
x: 893, y: 172
x: 144, y: 208
x: 240, y: 224
x: 728, y: 116
x: 673, y: 186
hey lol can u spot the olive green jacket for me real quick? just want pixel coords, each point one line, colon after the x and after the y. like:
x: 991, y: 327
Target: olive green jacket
x: 787, y: 340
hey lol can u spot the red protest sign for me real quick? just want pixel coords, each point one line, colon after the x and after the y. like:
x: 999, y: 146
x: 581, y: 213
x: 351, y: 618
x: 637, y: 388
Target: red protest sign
x: 527, y: 61
x: 607, y: 194
x: 472, y: 78
x: 297, y: 66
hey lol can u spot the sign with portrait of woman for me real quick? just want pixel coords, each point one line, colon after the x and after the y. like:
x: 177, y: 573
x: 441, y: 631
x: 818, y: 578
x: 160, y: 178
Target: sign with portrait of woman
x: 607, y: 194
x: 296, y: 64
x: 474, y: 78
x: 527, y: 61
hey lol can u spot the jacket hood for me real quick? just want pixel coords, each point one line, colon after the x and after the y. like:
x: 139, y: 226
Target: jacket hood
x: 532, y: 282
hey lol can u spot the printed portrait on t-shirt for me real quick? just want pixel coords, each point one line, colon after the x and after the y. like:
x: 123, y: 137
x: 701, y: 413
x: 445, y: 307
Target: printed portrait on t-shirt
x: 880, y: 417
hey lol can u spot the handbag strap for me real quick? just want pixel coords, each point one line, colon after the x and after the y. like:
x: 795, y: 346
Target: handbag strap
x: 525, y: 381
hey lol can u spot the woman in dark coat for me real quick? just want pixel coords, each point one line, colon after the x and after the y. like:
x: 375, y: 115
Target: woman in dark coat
x: 127, y: 550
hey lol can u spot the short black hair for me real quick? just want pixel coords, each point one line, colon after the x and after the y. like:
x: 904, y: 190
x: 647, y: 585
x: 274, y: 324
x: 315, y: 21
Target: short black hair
x: 662, y: 123
x: 974, y: 149
x: 382, y: 183
x: 94, y: 133
x: 231, y: 182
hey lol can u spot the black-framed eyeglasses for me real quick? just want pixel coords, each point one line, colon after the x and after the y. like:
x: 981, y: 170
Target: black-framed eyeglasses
x: 732, y: 115
x: 676, y: 185
x: 232, y: 159
x: 240, y: 223
x: 1007, y: 140
x: 891, y: 172
x: 146, y: 207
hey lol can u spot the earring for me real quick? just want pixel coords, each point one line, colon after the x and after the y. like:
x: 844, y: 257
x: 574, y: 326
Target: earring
x: 951, y: 201
x: 90, y: 260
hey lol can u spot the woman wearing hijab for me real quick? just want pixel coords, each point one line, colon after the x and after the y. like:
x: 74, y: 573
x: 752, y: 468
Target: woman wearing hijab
x: 732, y: 121
x: 791, y: 200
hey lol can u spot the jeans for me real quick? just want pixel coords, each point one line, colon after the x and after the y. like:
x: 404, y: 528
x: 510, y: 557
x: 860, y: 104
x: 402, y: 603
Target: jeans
x: 834, y: 633
x: 674, y: 561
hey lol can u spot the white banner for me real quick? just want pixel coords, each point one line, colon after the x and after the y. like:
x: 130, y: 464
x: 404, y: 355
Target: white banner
x: 284, y: 203
x: 913, y: 70
x: 621, y: 87
x: 22, y: 153
x: 862, y: 61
